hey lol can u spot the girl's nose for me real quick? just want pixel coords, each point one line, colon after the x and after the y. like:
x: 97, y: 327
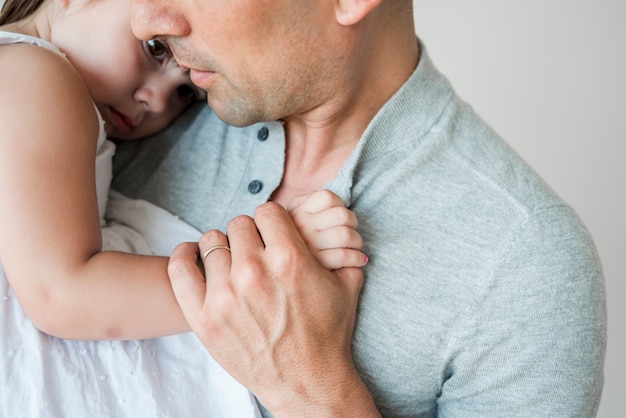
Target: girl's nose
x: 154, y: 96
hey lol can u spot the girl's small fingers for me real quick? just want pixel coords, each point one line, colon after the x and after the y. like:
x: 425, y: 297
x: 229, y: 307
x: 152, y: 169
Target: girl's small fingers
x: 310, y: 224
x: 333, y: 217
x: 316, y: 201
x: 335, y: 237
x: 337, y: 258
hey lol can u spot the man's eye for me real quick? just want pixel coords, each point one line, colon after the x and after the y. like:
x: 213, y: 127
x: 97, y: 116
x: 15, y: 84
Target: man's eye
x: 185, y: 92
x: 157, y: 49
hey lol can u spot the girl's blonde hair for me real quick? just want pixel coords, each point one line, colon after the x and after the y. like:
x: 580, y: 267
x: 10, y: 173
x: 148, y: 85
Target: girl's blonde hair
x: 14, y: 10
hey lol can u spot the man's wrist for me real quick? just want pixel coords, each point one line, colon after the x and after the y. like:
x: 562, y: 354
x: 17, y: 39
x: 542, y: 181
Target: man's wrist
x: 341, y: 395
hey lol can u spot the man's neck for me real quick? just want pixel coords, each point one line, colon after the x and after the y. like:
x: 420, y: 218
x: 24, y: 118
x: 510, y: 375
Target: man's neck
x: 319, y: 141
x: 314, y: 156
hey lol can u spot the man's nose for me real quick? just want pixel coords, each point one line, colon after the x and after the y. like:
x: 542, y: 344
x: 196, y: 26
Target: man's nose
x: 151, y: 18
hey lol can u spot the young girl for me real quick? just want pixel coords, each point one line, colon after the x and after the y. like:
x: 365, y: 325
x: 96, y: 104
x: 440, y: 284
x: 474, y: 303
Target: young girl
x: 71, y: 72
x: 66, y: 65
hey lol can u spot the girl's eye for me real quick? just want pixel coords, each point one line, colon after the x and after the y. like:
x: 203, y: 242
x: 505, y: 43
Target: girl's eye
x: 185, y: 92
x: 157, y: 49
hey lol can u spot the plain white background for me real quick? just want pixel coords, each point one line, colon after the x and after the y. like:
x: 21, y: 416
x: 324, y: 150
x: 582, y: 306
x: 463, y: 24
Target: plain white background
x: 550, y: 77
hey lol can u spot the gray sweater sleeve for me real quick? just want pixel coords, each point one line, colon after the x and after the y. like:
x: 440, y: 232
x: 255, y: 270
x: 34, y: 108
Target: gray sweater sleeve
x: 534, y: 341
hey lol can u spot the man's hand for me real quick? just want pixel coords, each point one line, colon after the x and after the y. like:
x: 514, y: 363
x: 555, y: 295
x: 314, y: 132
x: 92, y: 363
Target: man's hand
x: 276, y: 320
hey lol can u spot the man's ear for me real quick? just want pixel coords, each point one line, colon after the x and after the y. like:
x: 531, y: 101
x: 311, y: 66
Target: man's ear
x: 349, y: 12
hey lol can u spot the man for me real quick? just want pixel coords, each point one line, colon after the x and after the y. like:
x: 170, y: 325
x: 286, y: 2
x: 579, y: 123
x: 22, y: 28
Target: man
x: 483, y: 295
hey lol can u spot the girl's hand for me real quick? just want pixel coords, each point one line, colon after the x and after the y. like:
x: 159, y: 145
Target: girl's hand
x: 328, y: 229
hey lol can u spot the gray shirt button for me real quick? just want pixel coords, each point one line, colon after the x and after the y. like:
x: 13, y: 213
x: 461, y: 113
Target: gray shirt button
x: 255, y: 186
x: 262, y: 134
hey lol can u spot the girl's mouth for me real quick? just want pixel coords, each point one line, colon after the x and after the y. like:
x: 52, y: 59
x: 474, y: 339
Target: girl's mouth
x: 123, y: 123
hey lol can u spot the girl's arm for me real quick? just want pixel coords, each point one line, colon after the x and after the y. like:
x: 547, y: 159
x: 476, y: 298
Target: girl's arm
x: 49, y: 228
x: 50, y: 238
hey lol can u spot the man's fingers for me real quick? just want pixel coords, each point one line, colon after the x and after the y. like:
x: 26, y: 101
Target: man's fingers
x: 215, y: 255
x: 187, y: 280
x: 352, y: 278
x: 244, y: 238
x: 275, y: 225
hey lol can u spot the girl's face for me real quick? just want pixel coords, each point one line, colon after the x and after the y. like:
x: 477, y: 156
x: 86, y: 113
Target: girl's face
x: 136, y: 85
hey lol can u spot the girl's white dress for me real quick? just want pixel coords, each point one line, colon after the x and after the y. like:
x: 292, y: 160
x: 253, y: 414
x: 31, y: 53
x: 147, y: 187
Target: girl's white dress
x: 42, y: 376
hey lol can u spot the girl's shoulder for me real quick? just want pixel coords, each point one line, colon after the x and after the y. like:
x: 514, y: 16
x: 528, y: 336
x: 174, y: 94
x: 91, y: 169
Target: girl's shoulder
x: 22, y: 62
x: 39, y: 81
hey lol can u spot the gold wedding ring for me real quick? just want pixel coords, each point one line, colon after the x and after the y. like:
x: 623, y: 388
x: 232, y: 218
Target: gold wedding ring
x: 215, y: 247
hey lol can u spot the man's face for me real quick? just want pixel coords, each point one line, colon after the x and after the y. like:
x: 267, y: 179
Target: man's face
x: 257, y: 59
